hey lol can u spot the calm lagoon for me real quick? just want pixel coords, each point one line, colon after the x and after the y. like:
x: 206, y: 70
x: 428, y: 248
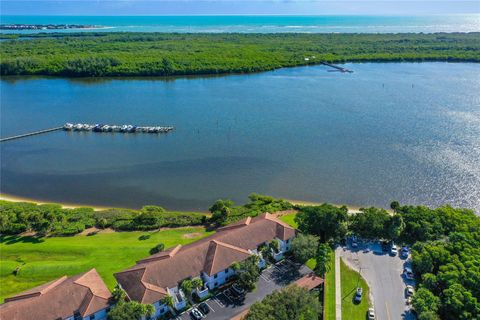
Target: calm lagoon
x: 398, y: 131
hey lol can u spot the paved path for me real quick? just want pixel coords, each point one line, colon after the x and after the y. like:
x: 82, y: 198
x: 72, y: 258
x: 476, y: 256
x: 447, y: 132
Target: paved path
x: 338, y: 287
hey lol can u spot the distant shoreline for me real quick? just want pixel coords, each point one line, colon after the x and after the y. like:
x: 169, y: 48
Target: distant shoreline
x: 136, y: 54
x: 22, y: 26
x: 67, y: 205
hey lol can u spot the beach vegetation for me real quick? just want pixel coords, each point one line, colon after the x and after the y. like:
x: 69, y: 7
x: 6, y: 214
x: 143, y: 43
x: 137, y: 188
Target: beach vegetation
x: 225, y: 211
x: 326, y: 221
x: 53, y: 220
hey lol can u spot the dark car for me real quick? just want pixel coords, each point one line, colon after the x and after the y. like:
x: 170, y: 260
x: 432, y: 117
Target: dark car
x: 237, y: 290
x: 385, y: 246
x: 204, y: 308
x: 358, y: 295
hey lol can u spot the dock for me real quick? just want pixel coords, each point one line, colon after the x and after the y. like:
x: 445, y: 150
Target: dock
x: 338, y: 68
x: 30, y: 134
x: 83, y: 127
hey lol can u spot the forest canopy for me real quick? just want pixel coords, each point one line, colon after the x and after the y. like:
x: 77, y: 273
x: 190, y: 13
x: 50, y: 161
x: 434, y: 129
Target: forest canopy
x: 165, y: 54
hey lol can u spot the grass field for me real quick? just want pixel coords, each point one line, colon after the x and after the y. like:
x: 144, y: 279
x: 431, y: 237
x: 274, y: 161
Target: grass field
x: 350, y: 280
x: 50, y: 258
x: 329, y: 296
x: 289, y: 218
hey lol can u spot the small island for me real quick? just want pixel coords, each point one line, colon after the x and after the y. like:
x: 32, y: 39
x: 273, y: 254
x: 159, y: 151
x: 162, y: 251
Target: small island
x: 18, y: 26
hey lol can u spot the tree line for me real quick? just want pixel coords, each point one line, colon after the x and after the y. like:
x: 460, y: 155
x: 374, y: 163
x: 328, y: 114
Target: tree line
x: 445, y: 241
x: 445, y: 251
x: 54, y: 220
x: 164, y: 54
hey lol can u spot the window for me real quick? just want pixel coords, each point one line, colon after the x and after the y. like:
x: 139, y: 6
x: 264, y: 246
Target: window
x: 77, y: 315
x: 215, y: 276
x: 92, y: 317
x: 216, y: 284
x: 226, y: 271
x: 162, y: 310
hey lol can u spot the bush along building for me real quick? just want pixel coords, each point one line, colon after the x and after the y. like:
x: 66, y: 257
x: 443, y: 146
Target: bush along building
x: 157, y: 279
x: 81, y: 297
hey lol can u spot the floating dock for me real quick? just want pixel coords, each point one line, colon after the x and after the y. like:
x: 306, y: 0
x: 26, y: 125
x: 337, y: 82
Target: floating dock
x: 126, y: 128
x: 338, y: 68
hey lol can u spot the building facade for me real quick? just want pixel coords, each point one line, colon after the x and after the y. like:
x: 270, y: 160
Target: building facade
x: 210, y: 259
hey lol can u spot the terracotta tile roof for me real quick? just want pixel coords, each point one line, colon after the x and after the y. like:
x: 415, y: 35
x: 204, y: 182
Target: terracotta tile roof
x: 220, y: 256
x: 210, y: 255
x: 309, y: 281
x: 85, y: 293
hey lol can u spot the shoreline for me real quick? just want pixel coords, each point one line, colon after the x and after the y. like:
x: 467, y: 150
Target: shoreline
x: 67, y: 205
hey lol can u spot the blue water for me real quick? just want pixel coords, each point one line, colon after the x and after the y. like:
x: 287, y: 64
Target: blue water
x: 399, y: 131
x: 263, y: 24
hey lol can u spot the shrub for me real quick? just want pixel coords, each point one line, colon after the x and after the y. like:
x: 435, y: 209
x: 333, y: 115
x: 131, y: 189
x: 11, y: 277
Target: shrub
x: 158, y: 248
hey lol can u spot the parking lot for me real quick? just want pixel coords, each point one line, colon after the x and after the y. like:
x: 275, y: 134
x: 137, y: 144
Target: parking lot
x: 225, y: 305
x: 384, y: 275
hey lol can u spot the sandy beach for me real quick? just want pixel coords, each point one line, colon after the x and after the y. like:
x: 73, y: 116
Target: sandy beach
x: 7, y: 197
x: 12, y: 198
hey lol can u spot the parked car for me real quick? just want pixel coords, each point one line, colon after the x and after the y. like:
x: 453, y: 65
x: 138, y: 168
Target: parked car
x: 237, y: 289
x: 408, y: 273
x: 204, y: 308
x: 195, y: 314
x: 385, y: 246
x: 409, y: 291
x: 393, y: 250
x: 371, y: 314
x: 358, y: 295
x: 404, y: 252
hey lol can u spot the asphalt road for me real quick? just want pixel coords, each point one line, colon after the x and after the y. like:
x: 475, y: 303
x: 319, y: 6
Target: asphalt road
x: 384, y: 275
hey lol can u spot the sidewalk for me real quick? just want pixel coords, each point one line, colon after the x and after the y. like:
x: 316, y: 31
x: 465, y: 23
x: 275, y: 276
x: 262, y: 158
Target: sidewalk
x: 338, y: 287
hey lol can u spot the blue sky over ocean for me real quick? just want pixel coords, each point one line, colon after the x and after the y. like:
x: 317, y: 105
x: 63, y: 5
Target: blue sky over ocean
x: 235, y: 7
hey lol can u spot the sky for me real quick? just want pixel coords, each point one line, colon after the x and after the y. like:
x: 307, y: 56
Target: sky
x: 236, y: 7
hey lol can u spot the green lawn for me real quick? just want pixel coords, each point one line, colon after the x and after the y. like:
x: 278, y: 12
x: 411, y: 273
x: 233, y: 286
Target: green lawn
x: 329, y: 295
x: 289, y: 218
x: 50, y: 258
x: 350, y: 279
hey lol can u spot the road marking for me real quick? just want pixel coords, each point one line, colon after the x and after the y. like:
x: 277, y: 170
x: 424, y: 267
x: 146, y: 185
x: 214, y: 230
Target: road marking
x: 206, y: 302
x: 227, y: 296
x: 265, y: 278
x: 218, y: 302
x: 388, y: 312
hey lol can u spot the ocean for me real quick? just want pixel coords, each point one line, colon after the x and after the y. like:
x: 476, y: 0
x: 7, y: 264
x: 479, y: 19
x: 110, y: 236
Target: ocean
x: 260, y: 24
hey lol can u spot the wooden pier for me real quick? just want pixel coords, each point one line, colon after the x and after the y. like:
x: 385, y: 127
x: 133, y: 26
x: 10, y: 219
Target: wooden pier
x: 341, y: 69
x: 30, y: 134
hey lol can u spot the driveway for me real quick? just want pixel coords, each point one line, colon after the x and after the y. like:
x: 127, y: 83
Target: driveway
x: 224, y: 306
x: 384, y: 275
